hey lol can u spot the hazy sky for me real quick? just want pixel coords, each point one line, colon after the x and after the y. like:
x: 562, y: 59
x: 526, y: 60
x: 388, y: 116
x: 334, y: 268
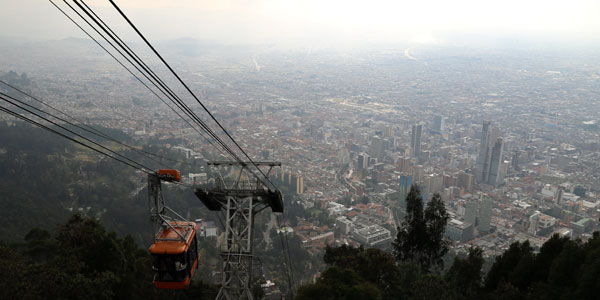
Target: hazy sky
x: 317, y: 21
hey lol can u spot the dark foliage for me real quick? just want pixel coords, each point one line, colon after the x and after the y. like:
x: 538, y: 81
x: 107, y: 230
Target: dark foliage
x: 420, y: 238
x: 563, y: 269
x: 337, y: 283
x: 372, y: 265
x: 464, y: 276
x: 82, y: 261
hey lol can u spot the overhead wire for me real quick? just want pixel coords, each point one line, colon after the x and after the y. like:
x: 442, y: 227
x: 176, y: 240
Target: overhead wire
x: 192, y: 93
x: 165, y: 90
x: 31, y: 121
x: 132, y: 73
x: 163, y: 87
x: 188, y: 113
x: 286, y: 257
x: 286, y: 247
x: 115, y: 37
x: 5, y: 98
x: 89, y: 128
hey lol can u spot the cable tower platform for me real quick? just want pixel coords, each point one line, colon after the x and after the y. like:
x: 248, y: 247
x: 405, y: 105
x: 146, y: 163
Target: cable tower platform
x: 240, y: 199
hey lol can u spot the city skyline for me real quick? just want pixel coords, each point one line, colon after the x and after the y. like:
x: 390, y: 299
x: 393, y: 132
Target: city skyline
x: 508, y: 139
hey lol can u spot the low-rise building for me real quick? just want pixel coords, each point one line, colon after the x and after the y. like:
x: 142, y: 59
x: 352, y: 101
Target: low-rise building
x: 371, y: 235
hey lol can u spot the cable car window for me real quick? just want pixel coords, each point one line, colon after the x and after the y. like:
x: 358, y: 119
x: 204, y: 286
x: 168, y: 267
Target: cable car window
x: 170, y: 267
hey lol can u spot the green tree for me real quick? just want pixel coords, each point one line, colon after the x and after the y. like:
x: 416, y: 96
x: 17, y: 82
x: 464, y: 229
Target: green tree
x: 339, y: 284
x: 464, y: 276
x: 506, y: 291
x: 13, y: 279
x: 436, y: 219
x: 83, y: 261
x: 421, y: 238
x: 588, y: 283
x: 514, y: 266
x: 548, y: 253
x: 373, y: 265
x: 430, y: 287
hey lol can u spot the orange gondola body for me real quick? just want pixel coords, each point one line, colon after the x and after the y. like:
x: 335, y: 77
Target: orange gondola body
x: 175, y: 174
x: 175, y: 255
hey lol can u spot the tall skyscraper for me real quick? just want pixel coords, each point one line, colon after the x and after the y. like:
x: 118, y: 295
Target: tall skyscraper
x: 489, y: 159
x: 415, y: 140
x: 363, y: 161
x: 495, y: 176
x: 438, y: 123
x: 482, y: 157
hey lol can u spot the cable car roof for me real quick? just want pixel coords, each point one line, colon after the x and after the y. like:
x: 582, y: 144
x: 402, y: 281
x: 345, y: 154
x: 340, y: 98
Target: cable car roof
x: 169, y: 242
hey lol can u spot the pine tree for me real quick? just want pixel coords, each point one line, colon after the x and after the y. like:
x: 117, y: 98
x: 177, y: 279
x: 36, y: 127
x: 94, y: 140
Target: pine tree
x: 436, y: 219
x: 464, y: 276
x: 421, y: 238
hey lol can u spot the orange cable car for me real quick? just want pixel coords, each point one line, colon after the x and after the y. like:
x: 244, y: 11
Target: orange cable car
x: 175, y: 255
x: 173, y: 174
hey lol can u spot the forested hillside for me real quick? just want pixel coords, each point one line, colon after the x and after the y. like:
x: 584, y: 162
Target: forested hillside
x: 82, y: 260
x: 46, y: 178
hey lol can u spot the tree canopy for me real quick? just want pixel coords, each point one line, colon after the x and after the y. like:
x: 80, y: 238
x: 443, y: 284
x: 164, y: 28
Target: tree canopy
x: 421, y: 237
x: 82, y: 260
x: 563, y: 269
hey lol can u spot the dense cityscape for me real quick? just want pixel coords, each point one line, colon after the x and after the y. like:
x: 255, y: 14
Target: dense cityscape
x: 511, y: 143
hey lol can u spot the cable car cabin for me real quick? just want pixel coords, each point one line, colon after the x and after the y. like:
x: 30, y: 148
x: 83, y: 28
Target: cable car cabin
x: 173, y: 174
x: 175, y: 255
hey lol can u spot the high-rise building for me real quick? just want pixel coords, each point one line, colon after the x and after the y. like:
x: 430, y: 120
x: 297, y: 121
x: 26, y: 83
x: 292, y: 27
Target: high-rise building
x: 533, y: 223
x: 405, y: 183
x: 471, y: 211
x: 387, y: 131
x: 300, y: 185
x: 403, y: 164
x: 559, y: 195
x: 363, y: 161
x: 344, y: 156
x: 417, y: 173
x: 515, y: 161
x: 465, y: 180
x: 489, y: 159
x: 439, y: 123
x: 287, y: 177
x: 482, y: 157
x: 485, y: 215
x: 415, y: 140
x: 450, y: 180
x: 495, y: 176
x: 376, y: 149
x: 433, y: 183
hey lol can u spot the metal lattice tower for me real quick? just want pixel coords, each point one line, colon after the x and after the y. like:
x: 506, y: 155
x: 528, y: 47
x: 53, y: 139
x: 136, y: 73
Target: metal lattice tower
x: 160, y: 214
x: 239, y: 200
